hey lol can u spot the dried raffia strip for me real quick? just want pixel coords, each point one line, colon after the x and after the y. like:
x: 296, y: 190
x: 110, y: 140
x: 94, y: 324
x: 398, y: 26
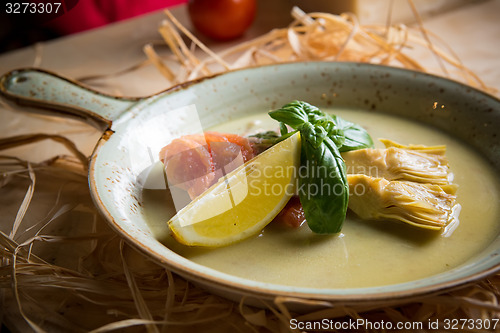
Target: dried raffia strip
x: 280, y: 315
x: 450, y: 57
x: 196, y: 40
x: 184, y: 55
x: 255, y: 317
x: 156, y: 60
x: 32, y: 324
x: 171, y: 37
x: 68, y: 163
x: 61, y: 162
x: 363, y: 47
x: 127, y: 323
x: 38, y: 48
x: 318, y: 36
x: 142, y: 308
x: 9, y: 247
x: 71, y: 284
x: 447, y: 54
x: 25, y: 203
x: 15, y: 289
x: 53, y: 214
x: 182, y: 52
x: 426, y: 36
x: 394, y: 44
x: 129, y: 69
x: 20, y: 140
x: 170, y: 300
x: 352, y: 33
x: 312, y: 36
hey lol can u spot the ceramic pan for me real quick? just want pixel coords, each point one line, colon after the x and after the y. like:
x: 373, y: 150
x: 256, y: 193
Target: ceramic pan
x: 136, y: 129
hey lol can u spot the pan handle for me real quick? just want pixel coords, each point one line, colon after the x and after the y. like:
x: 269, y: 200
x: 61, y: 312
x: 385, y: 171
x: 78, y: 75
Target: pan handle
x: 52, y: 94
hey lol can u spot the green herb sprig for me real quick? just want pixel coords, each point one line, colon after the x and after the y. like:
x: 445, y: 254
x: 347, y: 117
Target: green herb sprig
x: 323, y: 188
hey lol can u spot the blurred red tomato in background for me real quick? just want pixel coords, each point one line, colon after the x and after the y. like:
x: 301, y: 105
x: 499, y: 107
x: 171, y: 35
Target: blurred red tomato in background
x: 222, y: 19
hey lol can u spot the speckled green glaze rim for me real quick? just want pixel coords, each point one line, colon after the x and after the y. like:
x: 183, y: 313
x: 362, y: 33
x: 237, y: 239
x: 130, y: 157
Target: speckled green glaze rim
x: 470, y: 115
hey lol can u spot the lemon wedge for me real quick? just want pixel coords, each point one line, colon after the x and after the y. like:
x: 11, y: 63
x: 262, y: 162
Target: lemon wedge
x: 242, y: 202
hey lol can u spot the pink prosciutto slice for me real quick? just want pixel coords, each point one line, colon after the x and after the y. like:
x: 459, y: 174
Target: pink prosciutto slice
x: 195, y: 162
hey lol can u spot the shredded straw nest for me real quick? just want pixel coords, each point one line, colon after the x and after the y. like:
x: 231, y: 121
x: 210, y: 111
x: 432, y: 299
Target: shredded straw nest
x: 310, y: 37
x: 63, y: 269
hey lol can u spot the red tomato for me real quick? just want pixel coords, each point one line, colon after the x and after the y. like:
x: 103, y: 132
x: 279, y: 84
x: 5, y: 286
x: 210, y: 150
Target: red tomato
x: 222, y: 19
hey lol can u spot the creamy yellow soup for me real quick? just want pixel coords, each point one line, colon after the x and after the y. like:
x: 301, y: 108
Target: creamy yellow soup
x: 365, y: 253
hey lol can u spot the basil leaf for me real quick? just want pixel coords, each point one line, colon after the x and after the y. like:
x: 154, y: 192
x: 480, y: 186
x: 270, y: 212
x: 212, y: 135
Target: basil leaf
x: 283, y: 129
x: 315, y: 115
x: 323, y: 188
x: 314, y: 134
x: 292, y: 114
x: 356, y: 137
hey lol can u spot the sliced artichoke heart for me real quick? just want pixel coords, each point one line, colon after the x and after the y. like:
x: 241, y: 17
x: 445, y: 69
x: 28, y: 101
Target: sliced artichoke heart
x: 422, y: 205
x: 397, y: 162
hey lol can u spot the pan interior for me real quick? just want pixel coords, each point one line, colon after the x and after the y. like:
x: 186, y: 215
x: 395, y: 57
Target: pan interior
x: 139, y: 135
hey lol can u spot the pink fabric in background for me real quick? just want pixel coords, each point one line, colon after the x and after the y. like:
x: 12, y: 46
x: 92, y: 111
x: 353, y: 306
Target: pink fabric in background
x: 89, y: 14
